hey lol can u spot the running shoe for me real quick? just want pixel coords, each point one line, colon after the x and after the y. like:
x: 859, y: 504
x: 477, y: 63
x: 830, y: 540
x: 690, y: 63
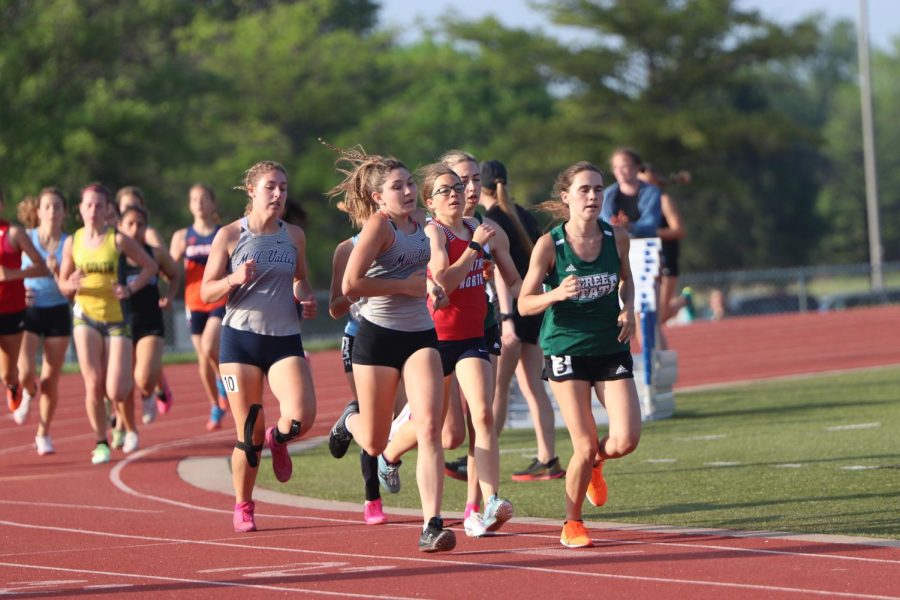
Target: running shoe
x: 13, y: 397
x: 44, y: 445
x: 474, y: 525
x: 149, y: 405
x: 497, y: 511
x: 389, y: 474
x: 435, y: 538
x: 458, y: 469
x: 20, y: 415
x: 130, y: 442
x: 471, y: 507
x: 597, y: 492
x: 574, y: 535
x: 243, y: 517
x: 164, y: 397
x: 340, y: 436
x: 281, y: 460
x: 222, y: 398
x: 118, y: 438
x: 373, y: 513
x: 216, y: 415
x: 538, y: 471
x: 100, y: 454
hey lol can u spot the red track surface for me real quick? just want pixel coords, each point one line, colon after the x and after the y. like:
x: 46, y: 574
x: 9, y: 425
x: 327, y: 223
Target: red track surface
x: 69, y: 529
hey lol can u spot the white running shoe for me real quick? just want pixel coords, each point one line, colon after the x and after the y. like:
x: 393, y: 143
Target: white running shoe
x: 150, y: 409
x: 130, y: 443
x: 20, y: 415
x: 43, y: 444
x: 473, y: 525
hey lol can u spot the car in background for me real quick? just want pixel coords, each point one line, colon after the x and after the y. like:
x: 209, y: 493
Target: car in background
x: 844, y: 300
x: 770, y: 304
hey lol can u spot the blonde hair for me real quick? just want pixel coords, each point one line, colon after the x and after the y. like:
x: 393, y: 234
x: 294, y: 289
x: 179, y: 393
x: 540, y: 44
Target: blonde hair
x: 131, y: 190
x: 26, y: 212
x: 452, y: 158
x: 555, y: 207
x: 363, y: 174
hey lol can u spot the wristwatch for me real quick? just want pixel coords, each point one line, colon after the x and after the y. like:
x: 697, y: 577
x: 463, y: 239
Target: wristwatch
x: 506, y: 316
x: 475, y: 246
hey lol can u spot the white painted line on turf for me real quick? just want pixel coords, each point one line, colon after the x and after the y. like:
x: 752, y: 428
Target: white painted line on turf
x: 859, y: 467
x: 722, y: 463
x: 661, y: 460
x: 208, y: 582
x: 853, y: 426
x: 702, y: 438
x: 789, y: 466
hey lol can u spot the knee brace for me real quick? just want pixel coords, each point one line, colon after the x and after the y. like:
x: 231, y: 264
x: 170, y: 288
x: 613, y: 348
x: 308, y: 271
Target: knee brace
x: 247, y: 445
x: 294, y: 431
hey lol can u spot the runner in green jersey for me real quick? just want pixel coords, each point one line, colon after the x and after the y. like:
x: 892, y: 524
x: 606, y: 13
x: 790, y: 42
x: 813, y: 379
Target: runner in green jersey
x: 588, y: 300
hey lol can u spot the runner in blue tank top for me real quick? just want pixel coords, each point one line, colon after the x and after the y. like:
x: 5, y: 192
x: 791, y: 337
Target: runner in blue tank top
x: 588, y: 296
x: 259, y: 263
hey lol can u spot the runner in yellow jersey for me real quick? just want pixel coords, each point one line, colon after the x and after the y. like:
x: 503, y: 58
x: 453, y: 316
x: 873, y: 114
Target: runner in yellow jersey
x: 89, y: 273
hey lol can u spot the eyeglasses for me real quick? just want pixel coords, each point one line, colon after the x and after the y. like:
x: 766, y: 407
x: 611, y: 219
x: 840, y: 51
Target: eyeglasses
x: 445, y: 190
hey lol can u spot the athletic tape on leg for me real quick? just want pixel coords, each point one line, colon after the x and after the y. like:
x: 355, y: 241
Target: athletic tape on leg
x: 247, y: 445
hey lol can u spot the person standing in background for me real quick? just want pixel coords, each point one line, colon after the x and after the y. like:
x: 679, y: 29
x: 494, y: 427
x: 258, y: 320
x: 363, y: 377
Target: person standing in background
x: 520, y: 355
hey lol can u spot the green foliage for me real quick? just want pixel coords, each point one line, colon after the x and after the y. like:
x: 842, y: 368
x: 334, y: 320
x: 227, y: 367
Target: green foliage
x: 166, y: 93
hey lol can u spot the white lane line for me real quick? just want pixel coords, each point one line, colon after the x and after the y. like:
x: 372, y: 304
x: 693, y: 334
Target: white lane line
x: 702, y: 438
x: 455, y: 563
x: 79, y: 506
x: 661, y: 460
x: 208, y: 582
x: 853, y: 426
x: 722, y: 463
x: 789, y: 466
x: 859, y: 467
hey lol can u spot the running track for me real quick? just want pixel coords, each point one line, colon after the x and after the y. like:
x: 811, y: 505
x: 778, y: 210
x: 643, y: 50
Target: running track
x: 138, y: 527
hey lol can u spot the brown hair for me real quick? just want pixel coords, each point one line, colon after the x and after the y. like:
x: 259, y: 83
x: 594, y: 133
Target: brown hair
x: 497, y: 189
x: 252, y: 174
x: 555, y: 207
x: 654, y: 177
x: 98, y: 188
x: 363, y: 175
x: 630, y: 153
x: 206, y: 190
x: 430, y: 174
x: 131, y: 190
x: 454, y: 157
x: 27, y: 209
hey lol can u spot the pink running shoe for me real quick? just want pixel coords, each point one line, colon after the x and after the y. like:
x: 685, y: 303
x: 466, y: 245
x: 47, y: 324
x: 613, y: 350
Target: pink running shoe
x: 281, y: 460
x: 243, y: 517
x: 164, y: 397
x: 373, y: 514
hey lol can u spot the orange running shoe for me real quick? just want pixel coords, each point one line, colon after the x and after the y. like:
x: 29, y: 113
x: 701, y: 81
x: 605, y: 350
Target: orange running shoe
x: 13, y: 397
x: 597, y: 492
x: 574, y: 535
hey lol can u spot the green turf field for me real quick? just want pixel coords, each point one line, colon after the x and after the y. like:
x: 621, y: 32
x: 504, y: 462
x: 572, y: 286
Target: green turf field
x: 816, y: 455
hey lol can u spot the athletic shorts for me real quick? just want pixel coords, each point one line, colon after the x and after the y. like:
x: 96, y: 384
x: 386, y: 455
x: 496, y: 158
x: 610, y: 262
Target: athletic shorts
x: 528, y: 329
x: 49, y: 321
x: 492, y: 339
x: 347, y: 352
x: 668, y: 260
x: 143, y: 326
x: 453, y: 351
x: 104, y: 328
x: 258, y: 350
x: 380, y: 346
x: 12, y: 323
x: 197, y: 318
x: 589, y: 368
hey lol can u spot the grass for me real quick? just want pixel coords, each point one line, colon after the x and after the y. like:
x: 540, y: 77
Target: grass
x: 766, y: 456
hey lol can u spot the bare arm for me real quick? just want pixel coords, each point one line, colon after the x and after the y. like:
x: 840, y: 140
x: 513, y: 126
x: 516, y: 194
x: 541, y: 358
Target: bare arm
x: 533, y: 300
x: 170, y: 271
x: 303, y: 290
x: 136, y: 253
x: 339, y: 304
x: 626, y: 287
x: 38, y: 267
x: 217, y: 282
x: 676, y: 229
x: 69, y: 280
x: 451, y: 276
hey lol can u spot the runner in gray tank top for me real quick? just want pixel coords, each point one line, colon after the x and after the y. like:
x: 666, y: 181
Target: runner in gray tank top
x: 259, y: 263
x: 396, y: 337
x: 264, y: 305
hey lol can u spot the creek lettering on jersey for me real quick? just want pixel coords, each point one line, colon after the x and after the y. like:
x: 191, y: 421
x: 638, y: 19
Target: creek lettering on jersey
x: 596, y: 286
